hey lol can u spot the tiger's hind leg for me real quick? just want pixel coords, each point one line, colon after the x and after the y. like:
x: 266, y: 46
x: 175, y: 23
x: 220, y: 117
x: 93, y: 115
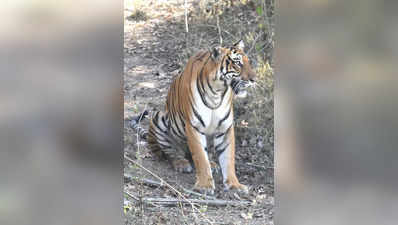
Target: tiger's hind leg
x: 165, y: 146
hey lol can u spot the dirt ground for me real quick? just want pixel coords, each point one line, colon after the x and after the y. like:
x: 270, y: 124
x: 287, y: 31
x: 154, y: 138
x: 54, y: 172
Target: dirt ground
x: 156, y: 48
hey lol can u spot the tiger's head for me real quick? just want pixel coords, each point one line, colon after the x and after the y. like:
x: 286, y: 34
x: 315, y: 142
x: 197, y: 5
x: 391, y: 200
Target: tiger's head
x: 234, y: 68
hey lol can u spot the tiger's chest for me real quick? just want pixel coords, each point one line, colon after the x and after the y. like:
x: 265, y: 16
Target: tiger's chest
x: 210, y: 121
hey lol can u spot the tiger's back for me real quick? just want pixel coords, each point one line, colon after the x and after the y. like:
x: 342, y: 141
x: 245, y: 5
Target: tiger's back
x: 167, y: 136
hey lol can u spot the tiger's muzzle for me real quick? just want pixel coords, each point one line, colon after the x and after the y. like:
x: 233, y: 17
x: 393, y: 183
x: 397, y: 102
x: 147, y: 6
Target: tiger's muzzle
x: 240, y: 87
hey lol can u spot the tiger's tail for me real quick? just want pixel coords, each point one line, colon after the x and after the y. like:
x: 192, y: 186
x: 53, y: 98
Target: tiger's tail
x: 157, y: 136
x: 135, y: 123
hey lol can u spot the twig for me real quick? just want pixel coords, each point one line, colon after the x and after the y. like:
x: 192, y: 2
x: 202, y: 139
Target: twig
x: 219, y: 29
x: 137, y: 199
x: 131, y: 195
x: 150, y: 182
x: 186, y: 17
x: 159, y: 184
x: 213, y: 202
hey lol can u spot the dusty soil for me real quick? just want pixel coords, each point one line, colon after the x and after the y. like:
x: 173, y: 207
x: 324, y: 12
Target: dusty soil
x: 156, y: 49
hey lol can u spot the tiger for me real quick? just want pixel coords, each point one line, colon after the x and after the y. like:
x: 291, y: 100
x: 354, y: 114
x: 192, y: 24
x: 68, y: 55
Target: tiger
x: 199, y: 106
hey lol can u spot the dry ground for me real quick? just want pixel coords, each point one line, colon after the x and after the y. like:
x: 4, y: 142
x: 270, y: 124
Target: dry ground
x: 156, y: 49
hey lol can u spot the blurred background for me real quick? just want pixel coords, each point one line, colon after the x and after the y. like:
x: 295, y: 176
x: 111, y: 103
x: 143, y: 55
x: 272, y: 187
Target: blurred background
x: 336, y: 112
x: 60, y: 117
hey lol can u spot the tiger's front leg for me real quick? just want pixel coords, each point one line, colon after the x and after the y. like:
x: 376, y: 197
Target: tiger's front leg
x: 224, y: 143
x: 197, y: 145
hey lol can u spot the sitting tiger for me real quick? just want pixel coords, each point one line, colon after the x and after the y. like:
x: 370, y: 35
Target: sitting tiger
x: 199, y: 106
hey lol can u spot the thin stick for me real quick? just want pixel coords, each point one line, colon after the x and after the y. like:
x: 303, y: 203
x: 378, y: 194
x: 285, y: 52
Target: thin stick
x: 186, y: 17
x: 197, y: 194
x: 150, y: 182
x: 131, y: 195
x: 214, y: 202
x: 137, y: 199
x: 158, y: 184
x: 219, y: 29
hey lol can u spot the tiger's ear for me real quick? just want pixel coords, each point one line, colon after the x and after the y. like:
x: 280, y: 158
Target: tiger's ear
x: 240, y: 45
x: 216, y: 52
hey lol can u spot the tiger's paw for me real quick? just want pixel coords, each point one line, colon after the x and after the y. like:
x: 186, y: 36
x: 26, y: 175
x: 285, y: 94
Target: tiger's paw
x: 205, y: 186
x: 182, y: 166
x: 236, y: 186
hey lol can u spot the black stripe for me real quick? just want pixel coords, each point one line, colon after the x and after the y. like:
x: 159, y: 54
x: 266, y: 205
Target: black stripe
x: 200, y: 57
x: 156, y: 115
x: 183, y: 123
x: 178, y: 127
x: 164, y: 122
x: 219, y: 145
x: 172, y: 118
x: 198, y: 116
x: 227, y: 62
x: 157, y: 126
x: 201, y: 94
x: 221, y: 69
x: 175, y: 132
x: 199, y: 86
x: 156, y: 134
x: 155, y: 121
x: 199, y: 78
x: 224, y: 118
x: 210, y: 87
x: 227, y: 130
x: 220, y: 135
x: 197, y: 129
x: 163, y: 145
x: 225, y: 91
x: 223, y: 133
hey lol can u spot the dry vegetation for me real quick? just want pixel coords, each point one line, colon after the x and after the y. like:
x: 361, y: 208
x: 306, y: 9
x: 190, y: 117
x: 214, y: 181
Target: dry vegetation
x: 157, y: 47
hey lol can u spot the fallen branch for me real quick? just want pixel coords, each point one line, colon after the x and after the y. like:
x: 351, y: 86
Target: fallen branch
x: 153, y: 183
x: 197, y: 194
x: 149, y: 182
x: 213, y: 202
